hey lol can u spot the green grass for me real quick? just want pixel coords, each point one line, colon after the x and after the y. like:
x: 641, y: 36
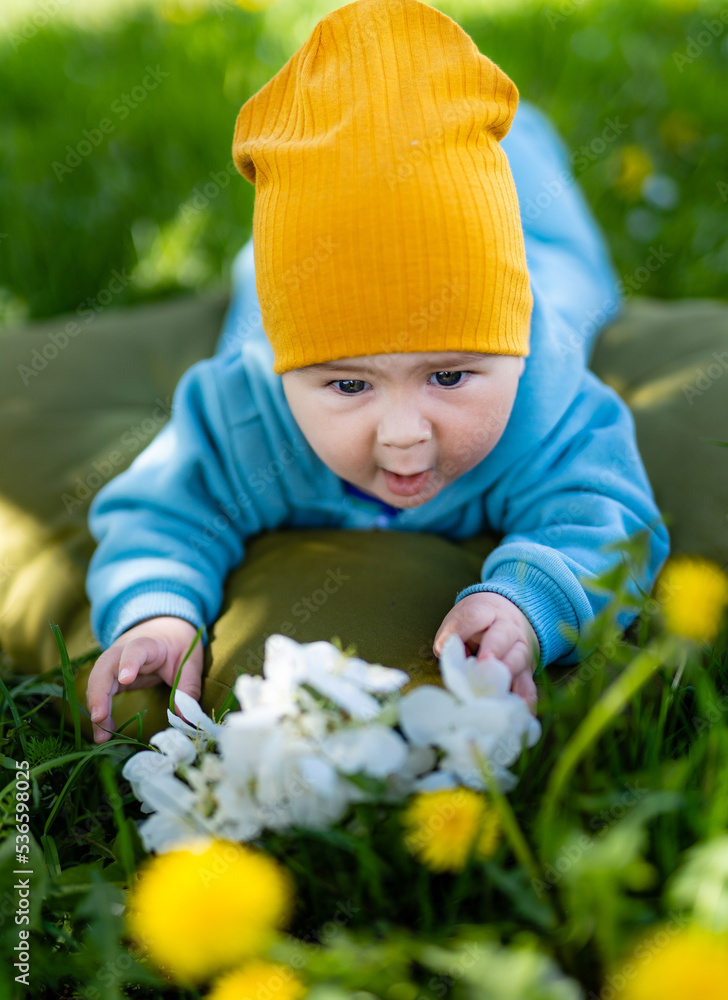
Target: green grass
x: 137, y: 204
x: 630, y: 776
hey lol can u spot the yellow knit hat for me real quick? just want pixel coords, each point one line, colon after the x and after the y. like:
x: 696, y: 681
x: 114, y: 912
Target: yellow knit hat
x: 386, y: 218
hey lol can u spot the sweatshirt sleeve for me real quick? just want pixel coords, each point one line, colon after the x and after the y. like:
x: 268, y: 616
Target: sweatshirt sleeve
x: 171, y: 526
x: 584, y: 488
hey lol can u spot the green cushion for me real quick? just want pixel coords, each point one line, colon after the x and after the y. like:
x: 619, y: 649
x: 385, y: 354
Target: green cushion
x: 70, y: 424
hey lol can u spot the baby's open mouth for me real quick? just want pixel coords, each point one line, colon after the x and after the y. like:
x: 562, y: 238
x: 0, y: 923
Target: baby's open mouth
x: 406, y: 486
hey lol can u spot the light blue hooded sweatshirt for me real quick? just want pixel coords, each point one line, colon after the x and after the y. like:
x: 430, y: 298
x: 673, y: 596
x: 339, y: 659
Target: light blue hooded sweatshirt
x: 565, y: 479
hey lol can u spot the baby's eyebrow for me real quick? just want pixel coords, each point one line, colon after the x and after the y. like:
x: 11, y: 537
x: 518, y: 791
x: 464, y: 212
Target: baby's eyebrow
x: 450, y: 362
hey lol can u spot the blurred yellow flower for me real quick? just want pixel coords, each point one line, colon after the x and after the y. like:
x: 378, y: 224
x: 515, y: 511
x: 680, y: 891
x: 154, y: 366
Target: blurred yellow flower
x: 258, y: 979
x: 443, y: 827
x: 207, y: 906
x: 634, y: 166
x: 687, y: 963
x: 693, y: 593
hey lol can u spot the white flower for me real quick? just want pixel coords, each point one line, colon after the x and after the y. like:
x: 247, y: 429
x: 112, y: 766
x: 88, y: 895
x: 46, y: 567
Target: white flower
x: 477, y: 721
x: 344, y: 680
x: 175, y: 746
x: 296, y: 786
x: 373, y: 749
x: 288, y: 758
x: 468, y: 677
x: 203, y: 729
x: 151, y: 774
x: 174, y: 804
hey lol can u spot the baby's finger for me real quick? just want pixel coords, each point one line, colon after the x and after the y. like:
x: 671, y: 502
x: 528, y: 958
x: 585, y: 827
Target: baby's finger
x: 525, y: 686
x: 498, y: 640
x: 463, y: 622
x: 100, y: 686
x: 144, y: 652
x: 109, y: 673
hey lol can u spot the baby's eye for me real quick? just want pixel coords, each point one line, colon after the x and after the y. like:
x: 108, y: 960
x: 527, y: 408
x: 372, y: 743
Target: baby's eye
x: 346, y: 383
x: 448, y: 377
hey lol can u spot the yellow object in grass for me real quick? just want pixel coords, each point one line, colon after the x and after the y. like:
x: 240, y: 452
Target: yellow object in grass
x: 674, y: 966
x: 208, y: 906
x: 443, y: 828
x: 694, y: 594
x: 258, y: 979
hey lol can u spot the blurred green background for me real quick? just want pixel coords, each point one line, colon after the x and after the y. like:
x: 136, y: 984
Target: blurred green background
x: 117, y: 120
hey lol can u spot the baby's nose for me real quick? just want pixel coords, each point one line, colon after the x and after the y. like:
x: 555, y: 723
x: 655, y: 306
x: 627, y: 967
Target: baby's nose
x: 404, y: 429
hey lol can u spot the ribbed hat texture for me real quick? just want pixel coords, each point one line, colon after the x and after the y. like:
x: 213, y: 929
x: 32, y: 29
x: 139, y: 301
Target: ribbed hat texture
x: 386, y: 218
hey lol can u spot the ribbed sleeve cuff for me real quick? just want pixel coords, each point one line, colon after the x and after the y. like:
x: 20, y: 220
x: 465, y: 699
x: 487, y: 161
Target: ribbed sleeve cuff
x: 149, y: 601
x: 541, y: 600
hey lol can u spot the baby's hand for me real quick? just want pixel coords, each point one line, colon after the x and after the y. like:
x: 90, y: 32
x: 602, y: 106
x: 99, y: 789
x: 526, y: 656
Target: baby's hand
x: 490, y: 624
x: 143, y: 656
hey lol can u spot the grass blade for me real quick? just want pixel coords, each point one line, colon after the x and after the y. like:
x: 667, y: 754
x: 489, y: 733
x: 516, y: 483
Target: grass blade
x: 69, y: 685
x: 597, y: 719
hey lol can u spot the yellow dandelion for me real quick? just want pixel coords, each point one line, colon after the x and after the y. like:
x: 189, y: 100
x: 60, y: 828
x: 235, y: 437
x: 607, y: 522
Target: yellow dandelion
x: 258, y: 979
x: 207, y: 906
x: 693, y: 593
x: 673, y: 964
x: 634, y: 165
x: 444, y: 827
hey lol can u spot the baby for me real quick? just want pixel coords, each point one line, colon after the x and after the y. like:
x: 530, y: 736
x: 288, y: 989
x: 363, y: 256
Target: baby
x: 416, y: 373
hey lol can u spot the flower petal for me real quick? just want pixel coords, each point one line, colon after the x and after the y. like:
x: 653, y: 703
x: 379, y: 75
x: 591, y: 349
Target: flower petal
x: 175, y: 745
x: 453, y: 667
x: 373, y: 750
x: 488, y: 678
x: 436, y: 782
x: 193, y: 713
x: 425, y: 712
x: 346, y: 695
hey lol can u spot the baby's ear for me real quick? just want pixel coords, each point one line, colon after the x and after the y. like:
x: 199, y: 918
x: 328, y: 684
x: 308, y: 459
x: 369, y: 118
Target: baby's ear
x: 523, y: 367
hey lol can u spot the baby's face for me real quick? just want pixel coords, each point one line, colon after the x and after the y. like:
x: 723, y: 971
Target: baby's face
x: 401, y: 427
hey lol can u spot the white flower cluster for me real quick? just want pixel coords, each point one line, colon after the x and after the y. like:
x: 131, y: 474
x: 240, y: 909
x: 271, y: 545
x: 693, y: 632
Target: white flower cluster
x: 318, y: 732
